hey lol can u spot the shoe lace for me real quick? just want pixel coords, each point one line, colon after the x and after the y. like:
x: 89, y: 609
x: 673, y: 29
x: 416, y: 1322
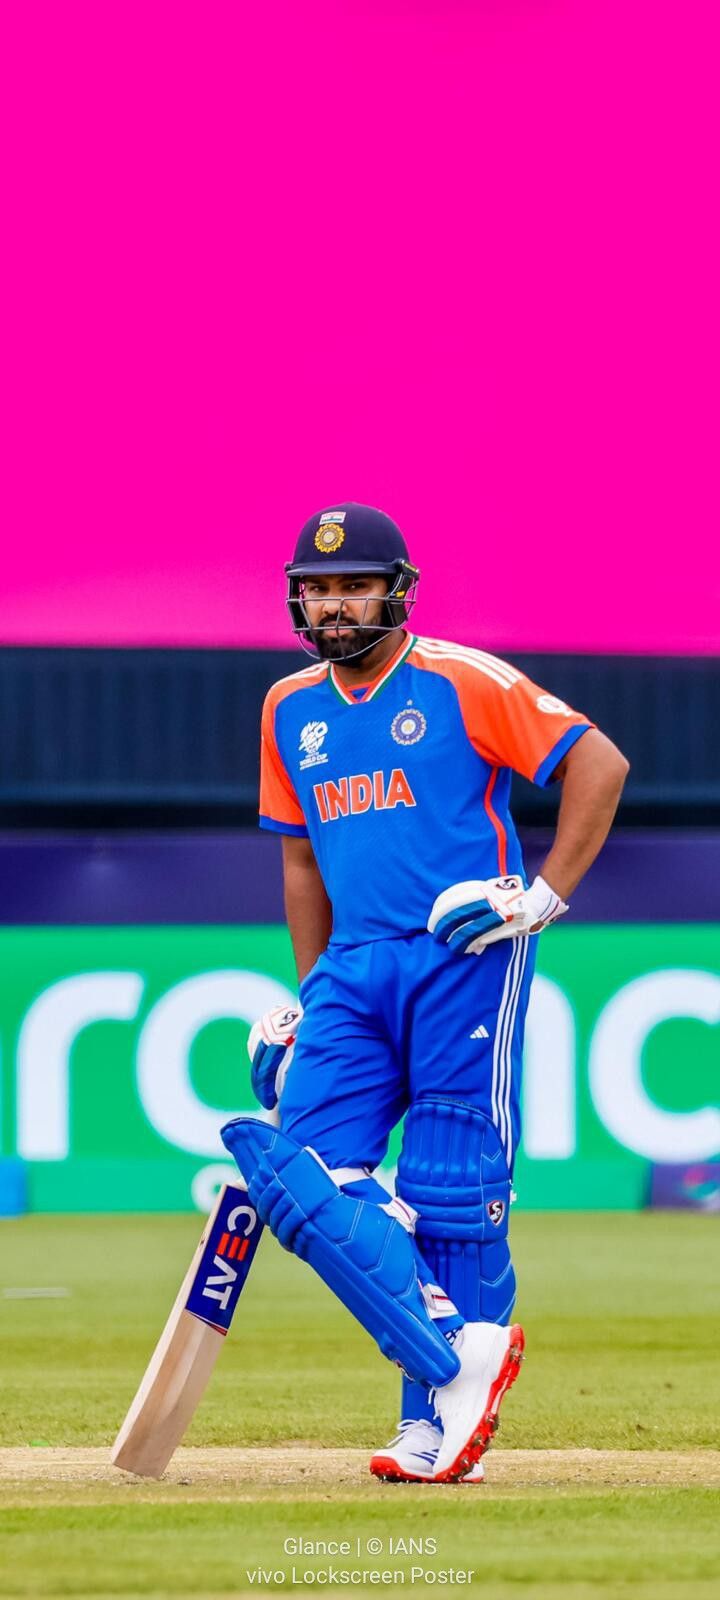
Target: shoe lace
x: 408, y: 1423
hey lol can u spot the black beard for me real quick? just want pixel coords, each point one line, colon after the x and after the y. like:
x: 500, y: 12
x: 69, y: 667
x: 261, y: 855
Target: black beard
x: 332, y: 646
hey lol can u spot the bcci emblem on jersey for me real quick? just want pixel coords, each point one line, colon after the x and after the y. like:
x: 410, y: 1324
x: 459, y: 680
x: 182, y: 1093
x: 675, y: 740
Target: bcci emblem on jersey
x: 311, y: 738
x: 408, y: 726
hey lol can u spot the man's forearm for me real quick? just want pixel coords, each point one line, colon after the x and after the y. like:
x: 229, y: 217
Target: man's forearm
x: 308, y: 910
x: 593, y: 774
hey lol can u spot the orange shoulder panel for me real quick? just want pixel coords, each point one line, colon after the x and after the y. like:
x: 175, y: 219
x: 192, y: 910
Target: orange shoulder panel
x: 278, y: 799
x: 510, y: 720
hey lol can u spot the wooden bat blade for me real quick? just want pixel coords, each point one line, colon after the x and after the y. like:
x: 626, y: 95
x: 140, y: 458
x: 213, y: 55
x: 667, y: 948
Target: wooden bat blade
x: 157, y: 1419
x: 192, y: 1338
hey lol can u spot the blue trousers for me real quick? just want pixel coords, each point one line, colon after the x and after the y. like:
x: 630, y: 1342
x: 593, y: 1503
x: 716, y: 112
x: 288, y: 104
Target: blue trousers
x: 391, y: 1023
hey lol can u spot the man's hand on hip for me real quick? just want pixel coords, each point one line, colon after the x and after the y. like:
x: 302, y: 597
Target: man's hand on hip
x: 270, y: 1048
x: 468, y: 916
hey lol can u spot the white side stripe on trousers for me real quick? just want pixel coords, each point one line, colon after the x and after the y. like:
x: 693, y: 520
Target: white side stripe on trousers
x: 502, y: 1049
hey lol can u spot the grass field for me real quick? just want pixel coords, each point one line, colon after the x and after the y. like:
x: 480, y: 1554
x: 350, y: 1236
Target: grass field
x: 605, y: 1479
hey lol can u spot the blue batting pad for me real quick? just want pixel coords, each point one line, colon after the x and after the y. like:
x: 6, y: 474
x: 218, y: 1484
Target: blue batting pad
x: 454, y: 1173
x: 360, y: 1252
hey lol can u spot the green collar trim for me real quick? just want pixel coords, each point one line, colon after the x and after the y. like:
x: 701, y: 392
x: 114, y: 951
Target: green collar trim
x: 394, y: 666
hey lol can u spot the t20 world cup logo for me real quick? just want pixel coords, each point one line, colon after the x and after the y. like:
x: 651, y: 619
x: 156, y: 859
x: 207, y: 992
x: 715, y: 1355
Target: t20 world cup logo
x: 312, y: 738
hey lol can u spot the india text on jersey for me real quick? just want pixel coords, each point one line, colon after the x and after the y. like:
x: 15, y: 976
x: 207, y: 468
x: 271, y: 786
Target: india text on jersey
x: 362, y: 792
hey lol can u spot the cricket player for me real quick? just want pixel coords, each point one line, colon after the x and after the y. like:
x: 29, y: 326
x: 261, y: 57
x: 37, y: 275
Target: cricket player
x: 386, y: 768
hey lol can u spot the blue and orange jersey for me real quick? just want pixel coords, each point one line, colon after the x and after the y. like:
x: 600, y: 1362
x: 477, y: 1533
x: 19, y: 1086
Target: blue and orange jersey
x: 403, y: 786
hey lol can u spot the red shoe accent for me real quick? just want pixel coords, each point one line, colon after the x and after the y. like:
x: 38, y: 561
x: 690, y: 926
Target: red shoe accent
x: 386, y: 1467
x: 488, y: 1423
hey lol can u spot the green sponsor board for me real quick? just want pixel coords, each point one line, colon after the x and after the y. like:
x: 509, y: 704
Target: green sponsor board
x: 123, y: 1050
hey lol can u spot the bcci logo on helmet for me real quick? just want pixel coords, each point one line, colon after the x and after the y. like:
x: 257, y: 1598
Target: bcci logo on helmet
x: 311, y: 739
x: 408, y: 726
x: 329, y: 538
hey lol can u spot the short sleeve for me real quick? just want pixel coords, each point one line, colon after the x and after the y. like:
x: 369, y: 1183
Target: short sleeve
x: 512, y: 722
x: 280, y: 809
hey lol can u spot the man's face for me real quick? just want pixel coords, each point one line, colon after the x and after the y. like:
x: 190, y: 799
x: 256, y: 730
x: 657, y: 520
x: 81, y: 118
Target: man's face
x: 344, y: 612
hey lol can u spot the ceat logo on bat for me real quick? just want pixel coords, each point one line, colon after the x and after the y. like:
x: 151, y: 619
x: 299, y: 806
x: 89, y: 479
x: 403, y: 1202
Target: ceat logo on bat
x: 363, y: 791
x: 225, y: 1262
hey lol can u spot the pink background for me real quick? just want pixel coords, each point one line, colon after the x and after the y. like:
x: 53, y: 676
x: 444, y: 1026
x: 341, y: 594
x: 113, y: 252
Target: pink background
x: 459, y: 260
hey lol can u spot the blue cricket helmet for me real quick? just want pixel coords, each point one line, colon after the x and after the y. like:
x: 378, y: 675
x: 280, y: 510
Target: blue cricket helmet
x: 352, y: 538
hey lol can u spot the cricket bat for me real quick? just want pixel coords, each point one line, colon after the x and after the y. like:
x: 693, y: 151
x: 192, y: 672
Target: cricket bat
x: 192, y: 1338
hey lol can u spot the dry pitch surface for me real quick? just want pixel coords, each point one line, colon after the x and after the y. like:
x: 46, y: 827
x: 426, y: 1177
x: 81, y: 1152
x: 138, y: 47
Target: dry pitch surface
x: 247, y: 1475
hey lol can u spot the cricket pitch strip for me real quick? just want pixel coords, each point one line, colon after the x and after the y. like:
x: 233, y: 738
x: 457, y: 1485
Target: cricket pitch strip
x: 305, y: 1471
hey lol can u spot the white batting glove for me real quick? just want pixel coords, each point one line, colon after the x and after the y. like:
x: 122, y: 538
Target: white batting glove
x: 270, y: 1048
x: 468, y: 916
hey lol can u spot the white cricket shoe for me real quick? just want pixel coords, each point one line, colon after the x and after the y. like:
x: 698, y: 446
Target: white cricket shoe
x: 490, y: 1358
x: 411, y: 1456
